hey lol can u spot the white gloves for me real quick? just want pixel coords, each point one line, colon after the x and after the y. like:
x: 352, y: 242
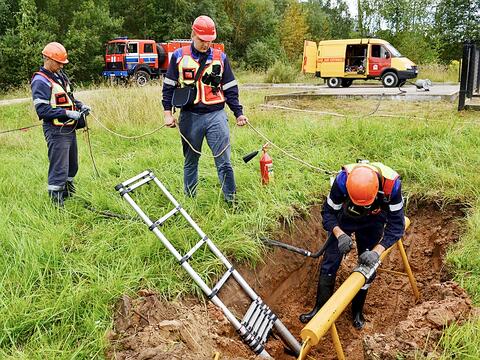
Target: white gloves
x: 85, y: 109
x: 73, y: 114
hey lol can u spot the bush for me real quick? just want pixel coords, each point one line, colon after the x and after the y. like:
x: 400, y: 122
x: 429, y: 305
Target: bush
x: 261, y: 55
x: 281, y: 73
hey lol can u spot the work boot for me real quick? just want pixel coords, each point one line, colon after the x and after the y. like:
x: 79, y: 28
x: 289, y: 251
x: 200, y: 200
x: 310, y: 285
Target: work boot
x: 69, y: 189
x: 325, y: 287
x: 358, y: 302
x: 56, y: 197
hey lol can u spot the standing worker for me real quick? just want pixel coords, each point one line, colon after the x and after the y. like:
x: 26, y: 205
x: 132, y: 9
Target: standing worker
x: 365, y: 199
x: 61, y: 115
x: 200, y: 81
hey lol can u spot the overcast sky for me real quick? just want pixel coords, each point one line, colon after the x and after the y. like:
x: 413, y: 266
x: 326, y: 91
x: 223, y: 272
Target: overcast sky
x: 352, y: 5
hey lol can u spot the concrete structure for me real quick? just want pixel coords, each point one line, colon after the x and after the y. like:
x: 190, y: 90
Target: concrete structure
x: 437, y: 92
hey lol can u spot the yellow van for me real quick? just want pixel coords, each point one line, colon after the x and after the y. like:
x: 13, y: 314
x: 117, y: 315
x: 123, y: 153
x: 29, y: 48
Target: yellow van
x: 339, y: 62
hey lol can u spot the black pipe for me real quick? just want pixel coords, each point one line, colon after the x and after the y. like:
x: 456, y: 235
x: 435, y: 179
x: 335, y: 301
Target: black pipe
x: 297, y: 249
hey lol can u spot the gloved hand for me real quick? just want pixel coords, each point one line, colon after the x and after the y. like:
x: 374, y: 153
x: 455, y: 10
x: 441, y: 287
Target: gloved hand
x: 73, y: 114
x: 345, y: 243
x: 85, y: 109
x: 368, y: 258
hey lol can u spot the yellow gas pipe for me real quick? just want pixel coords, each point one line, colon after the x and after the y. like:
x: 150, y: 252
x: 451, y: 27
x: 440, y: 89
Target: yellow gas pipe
x: 334, y: 307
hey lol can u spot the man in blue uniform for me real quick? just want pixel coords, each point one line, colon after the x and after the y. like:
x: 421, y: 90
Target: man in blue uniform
x: 366, y: 200
x: 61, y: 115
x: 205, y: 79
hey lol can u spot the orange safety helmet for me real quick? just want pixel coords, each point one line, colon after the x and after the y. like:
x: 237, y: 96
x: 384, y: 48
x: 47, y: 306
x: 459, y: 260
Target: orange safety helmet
x: 55, y: 51
x: 362, y: 185
x: 204, y: 28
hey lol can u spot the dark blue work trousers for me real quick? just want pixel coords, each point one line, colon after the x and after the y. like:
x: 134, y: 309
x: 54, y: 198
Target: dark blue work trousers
x: 367, y: 234
x: 213, y: 127
x: 62, y: 155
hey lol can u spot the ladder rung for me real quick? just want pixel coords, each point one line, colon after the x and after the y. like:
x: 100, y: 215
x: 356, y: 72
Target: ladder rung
x: 165, y: 218
x: 266, y: 325
x: 126, y: 189
x: 251, y: 314
x: 192, y: 250
x: 220, y: 283
x: 266, y: 330
x: 264, y: 312
x: 133, y: 179
x: 258, y: 321
x: 140, y: 183
x: 250, y: 311
x: 253, y: 342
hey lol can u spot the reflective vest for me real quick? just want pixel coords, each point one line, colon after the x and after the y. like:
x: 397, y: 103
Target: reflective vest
x: 388, y: 176
x: 187, y: 69
x: 59, y: 98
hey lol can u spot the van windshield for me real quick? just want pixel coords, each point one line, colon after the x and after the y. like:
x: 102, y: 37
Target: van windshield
x: 393, y: 52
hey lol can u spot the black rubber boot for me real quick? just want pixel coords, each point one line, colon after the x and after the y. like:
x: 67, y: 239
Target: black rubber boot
x: 69, y: 190
x: 358, y: 302
x: 56, y: 197
x: 325, y: 288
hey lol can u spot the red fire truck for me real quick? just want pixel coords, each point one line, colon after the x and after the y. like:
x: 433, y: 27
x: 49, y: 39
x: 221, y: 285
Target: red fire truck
x: 140, y: 60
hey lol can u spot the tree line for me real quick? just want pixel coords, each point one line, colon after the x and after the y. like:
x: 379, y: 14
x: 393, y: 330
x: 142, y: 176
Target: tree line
x: 256, y: 33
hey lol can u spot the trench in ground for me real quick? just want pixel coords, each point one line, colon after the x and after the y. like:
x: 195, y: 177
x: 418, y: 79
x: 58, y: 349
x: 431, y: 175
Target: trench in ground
x: 148, y: 327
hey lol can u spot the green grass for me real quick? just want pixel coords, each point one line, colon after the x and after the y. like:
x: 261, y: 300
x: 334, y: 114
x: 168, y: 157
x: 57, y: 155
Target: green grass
x: 21, y: 91
x: 62, y: 271
x: 439, y: 72
x: 295, y: 75
x: 461, y: 342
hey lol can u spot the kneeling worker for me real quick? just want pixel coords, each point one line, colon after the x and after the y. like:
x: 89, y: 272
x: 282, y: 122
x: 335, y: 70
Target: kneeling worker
x: 366, y: 200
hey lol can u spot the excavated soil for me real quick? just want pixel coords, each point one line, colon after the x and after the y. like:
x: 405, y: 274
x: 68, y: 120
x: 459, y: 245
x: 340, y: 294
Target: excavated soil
x: 148, y: 327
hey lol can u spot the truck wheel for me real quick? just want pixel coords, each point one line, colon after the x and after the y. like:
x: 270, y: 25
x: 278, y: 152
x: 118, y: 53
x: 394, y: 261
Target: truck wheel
x: 346, y: 82
x: 390, y: 79
x: 142, y: 77
x: 333, y: 82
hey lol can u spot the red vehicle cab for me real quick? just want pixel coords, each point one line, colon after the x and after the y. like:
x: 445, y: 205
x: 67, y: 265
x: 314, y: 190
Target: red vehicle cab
x: 140, y: 60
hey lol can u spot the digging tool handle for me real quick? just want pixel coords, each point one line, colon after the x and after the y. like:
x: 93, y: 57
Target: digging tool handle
x: 299, y: 250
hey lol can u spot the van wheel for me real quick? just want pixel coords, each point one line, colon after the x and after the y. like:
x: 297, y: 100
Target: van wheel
x: 390, y: 79
x: 346, y: 82
x: 333, y: 82
x: 142, y: 77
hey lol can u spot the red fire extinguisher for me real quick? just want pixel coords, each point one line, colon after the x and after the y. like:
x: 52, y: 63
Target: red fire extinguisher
x: 266, y: 166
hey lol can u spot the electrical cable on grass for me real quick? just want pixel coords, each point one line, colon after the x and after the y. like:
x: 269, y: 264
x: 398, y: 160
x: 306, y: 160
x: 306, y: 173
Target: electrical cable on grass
x: 25, y: 128
x: 86, y: 133
x: 105, y: 213
x: 302, y: 110
x: 125, y: 136
x: 338, y: 114
x: 328, y: 172
x: 154, y: 131
x: 199, y: 152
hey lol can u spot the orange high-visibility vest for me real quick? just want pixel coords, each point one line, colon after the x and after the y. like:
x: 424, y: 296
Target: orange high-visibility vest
x: 187, y: 69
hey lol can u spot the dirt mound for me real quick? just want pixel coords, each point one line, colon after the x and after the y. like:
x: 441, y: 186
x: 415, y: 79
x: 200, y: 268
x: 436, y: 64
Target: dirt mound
x: 149, y: 328
x: 420, y: 332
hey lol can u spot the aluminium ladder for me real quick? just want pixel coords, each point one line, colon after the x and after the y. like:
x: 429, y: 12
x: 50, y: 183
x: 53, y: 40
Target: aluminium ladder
x: 259, y: 319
